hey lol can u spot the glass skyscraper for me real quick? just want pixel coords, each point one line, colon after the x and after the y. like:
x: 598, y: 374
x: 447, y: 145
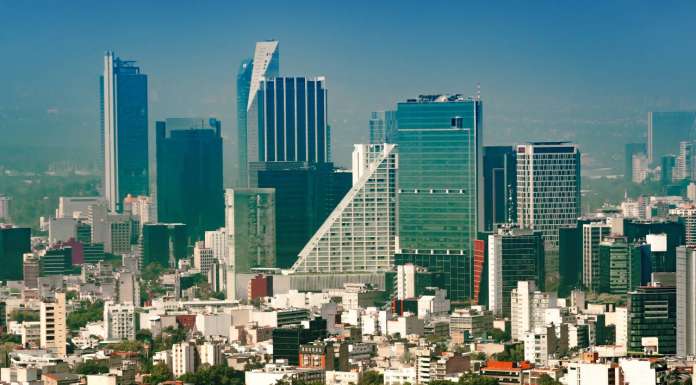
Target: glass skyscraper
x: 124, y: 133
x: 189, y: 174
x: 266, y: 64
x: 382, y: 127
x: 499, y: 186
x: 287, y: 121
x: 439, y: 139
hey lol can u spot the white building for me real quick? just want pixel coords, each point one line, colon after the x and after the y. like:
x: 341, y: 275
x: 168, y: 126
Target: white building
x: 61, y: 229
x: 548, y: 187
x: 53, y: 325
x: 400, y: 376
x: 203, y: 257
x: 360, y: 234
x: 640, y: 165
x: 31, y: 334
x: 211, y: 325
x: 217, y: 241
x: 691, y: 192
x: 592, y: 374
x: 119, y: 321
x: 642, y: 372
x: 540, y: 345
x: 183, y: 358
x: 341, y: 378
x: 406, y: 281
x: 621, y: 324
x: 528, y: 308
x: 76, y: 207
x: 143, y: 208
x: 687, y: 214
x: 271, y: 374
x: 436, y: 305
x: 592, y: 236
x: 5, y: 208
x: 210, y: 353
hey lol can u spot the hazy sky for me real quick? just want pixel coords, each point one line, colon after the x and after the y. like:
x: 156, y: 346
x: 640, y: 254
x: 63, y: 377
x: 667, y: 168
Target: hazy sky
x: 586, y: 71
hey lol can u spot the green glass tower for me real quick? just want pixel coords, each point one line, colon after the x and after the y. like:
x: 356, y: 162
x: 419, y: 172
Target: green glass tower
x: 439, y: 139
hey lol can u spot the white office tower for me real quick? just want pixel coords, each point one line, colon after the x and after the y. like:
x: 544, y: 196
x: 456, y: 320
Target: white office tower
x: 217, y: 241
x: 128, y: 288
x: 686, y: 301
x: 548, y: 187
x: 592, y: 235
x: 143, y: 208
x: 528, y: 308
x: 359, y: 235
x: 203, y: 258
x: 119, y: 321
x: 684, y: 166
x: 687, y: 214
x: 183, y: 358
x: 76, y: 207
x: 53, y: 325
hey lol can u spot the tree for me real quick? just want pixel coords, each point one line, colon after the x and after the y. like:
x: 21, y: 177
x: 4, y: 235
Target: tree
x: 476, y: 379
x: 545, y: 379
x: 88, y: 312
x: 514, y: 353
x: 24, y: 315
x: 159, y: 373
x: 91, y: 367
x: 498, y: 335
x: 371, y: 378
x: 218, y: 374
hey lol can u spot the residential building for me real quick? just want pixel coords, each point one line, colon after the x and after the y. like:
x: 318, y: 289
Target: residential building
x: 53, y: 325
x: 216, y: 240
x: 469, y: 323
x: 528, y: 309
x: 440, y: 161
x: 203, y: 258
x: 183, y: 358
x: 119, y: 321
x: 124, y: 130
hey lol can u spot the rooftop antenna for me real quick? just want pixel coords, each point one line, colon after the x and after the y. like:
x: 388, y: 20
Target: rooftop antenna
x: 478, y: 91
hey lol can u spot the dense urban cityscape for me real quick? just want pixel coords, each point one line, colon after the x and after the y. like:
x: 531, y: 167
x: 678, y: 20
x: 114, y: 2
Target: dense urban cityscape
x: 431, y: 258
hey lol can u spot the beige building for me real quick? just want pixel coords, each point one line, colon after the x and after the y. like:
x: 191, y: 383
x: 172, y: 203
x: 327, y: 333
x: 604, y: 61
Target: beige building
x: 53, y: 325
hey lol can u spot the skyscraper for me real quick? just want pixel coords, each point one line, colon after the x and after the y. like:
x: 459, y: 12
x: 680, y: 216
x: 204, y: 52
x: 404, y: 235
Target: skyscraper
x: 14, y: 242
x: 652, y: 312
x: 548, y: 187
x: 251, y: 231
x: 499, y: 186
x: 359, y: 235
x: 382, y: 127
x: 666, y: 129
x: 619, y: 266
x: 686, y: 301
x: 162, y: 242
x: 287, y: 121
x: 266, y: 64
x: 439, y: 139
x: 189, y: 174
x: 124, y: 133
x: 592, y: 236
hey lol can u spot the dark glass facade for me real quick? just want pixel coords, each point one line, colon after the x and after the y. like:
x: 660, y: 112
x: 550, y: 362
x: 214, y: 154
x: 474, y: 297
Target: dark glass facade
x: 305, y: 195
x: 57, y: 261
x: 499, y: 186
x: 243, y: 84
x: 189, y: 174
x: 156, y: 241
x: 439, y: 141
x: 14, y: 242
x: 129, y: 102
x: 636, y: 230
x: 652, y: 312
x: 619, y: 266
x: 287, y: 339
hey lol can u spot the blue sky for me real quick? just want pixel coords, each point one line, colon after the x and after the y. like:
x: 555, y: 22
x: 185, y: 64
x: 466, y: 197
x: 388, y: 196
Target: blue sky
x: 584, y: 71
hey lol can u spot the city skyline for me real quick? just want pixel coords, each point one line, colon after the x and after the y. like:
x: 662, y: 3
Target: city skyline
x: 587, y: 76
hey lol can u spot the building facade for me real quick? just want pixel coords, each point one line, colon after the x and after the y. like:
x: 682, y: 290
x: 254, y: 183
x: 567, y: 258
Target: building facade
x: 686, y: 301
x: 499, y: 186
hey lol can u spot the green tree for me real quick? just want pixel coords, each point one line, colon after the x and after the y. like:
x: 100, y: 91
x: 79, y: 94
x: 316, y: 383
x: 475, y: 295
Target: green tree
x: 24, y: 315
x: 88, y: 312
x: 545, y: 379
x: 514, y: 353
x: 91, y: 367
x: 218, y: 374
x: 371, y: 378
x: 159, y: 373
x: 498, y: 335
x: 476, y: 379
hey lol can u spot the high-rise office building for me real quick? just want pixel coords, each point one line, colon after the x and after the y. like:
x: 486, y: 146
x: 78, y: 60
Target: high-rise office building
x: 664, y: 235
x: 53, y: 319
x: 499, y: 186
x: 216, y: 240
x: 305, y: 195
x: 513, y: 255
x: 382, y: 127
x: 548, y: 187
x: 631, y: 149
x: 592, y: 236
x: 287, y: 121
x: 124, y: 130
x: 666, y: 129
x: 203, y: 258
x: 683, y: 168
x: 14, y: 242
x: 164, y: 243
x: 652, y: 312
x: 265, y: 64
x: 667, y: 169
x: 687, y: 216
x: 686, y: 301
x: 251, y: 231
x: 189, y: 174
x: 359, y: 235
x: 56, y: 261
x: 440, y: 160
x: 619, y: 266
x: 570, y: 251
x: 5, y: 208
